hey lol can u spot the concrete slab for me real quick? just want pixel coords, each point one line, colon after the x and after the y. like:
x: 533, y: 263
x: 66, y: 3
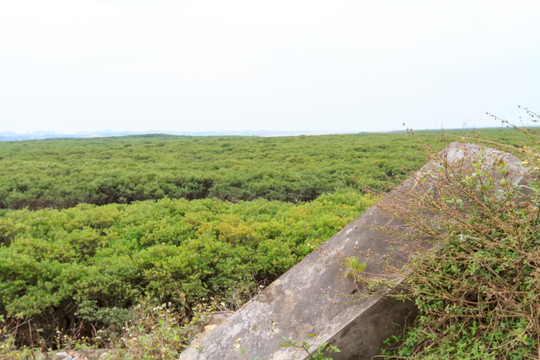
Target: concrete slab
x: 314, y: 297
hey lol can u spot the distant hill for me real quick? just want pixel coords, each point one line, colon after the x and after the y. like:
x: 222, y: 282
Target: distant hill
x: 39, y: 135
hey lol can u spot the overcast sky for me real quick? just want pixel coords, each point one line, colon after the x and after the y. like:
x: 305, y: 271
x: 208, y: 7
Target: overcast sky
x: 337, y: 66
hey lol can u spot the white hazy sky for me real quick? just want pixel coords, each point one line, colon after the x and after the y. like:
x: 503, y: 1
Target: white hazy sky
x: 336, y: 65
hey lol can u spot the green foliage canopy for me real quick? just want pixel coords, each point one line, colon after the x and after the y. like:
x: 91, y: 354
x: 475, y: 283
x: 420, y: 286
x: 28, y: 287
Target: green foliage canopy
x: 91, y: 263
x: 60, y: 173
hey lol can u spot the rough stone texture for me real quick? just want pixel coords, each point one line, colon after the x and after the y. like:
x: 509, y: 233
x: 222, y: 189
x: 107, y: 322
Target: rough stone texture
x: 315, y: 297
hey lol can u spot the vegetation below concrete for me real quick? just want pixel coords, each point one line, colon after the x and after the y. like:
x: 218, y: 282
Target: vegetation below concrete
x: 76, y: 276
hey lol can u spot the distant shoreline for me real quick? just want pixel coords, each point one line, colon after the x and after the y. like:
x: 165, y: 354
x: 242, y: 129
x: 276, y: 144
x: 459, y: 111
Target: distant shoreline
x: 11, y: 136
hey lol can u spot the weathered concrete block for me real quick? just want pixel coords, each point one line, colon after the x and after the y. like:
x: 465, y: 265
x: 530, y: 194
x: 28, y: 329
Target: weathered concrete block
x: 314, y: 297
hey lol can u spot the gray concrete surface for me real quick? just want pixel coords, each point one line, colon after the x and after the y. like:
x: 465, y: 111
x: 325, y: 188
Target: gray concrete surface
x: 314, y: 297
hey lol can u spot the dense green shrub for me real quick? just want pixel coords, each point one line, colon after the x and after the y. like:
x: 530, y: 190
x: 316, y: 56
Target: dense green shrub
x: 60, y: 173
x: 88, y: 265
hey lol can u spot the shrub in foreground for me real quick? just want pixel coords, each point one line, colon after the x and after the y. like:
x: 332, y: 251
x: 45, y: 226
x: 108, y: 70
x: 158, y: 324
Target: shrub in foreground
x: 82, y: 269
x: 478, y: 288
